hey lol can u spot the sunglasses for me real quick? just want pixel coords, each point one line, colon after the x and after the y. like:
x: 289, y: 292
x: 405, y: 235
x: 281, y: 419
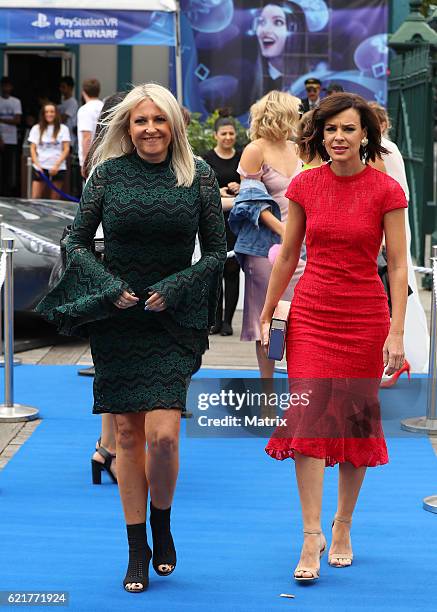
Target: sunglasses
x: 313, y: 88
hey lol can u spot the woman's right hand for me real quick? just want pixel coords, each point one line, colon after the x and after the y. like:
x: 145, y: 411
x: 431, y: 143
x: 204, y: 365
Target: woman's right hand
x: 126, y: 300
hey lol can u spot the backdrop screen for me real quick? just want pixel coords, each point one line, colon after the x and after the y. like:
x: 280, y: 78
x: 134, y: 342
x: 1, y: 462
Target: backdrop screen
x: 234, y: 51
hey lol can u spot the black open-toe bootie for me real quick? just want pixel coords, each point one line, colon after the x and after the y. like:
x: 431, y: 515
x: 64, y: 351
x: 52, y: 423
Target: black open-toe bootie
x: 137, y: 575
x: 164, y: 552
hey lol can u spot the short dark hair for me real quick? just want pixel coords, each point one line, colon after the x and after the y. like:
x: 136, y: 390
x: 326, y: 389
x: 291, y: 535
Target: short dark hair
x: 334, y: 88
x: 312, y: 141
x: 68, y: 80
x: 6, y: 81
x: 91, y: 87
x: 225, y: 118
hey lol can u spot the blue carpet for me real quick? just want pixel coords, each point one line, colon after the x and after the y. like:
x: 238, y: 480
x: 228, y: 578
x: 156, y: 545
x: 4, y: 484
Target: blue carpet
x: 236, y: 520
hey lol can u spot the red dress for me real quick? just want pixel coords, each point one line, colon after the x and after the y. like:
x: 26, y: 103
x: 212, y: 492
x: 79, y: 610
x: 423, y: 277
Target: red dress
x: 338, y: 320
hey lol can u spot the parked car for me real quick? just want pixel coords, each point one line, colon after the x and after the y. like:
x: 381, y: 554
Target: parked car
x: 37, y: 227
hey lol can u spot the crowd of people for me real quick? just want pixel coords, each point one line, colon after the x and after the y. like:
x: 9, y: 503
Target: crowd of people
x: 314, y: 189
x: 60, y: 131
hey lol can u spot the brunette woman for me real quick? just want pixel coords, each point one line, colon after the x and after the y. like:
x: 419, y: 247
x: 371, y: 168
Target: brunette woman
x: 49, y: 148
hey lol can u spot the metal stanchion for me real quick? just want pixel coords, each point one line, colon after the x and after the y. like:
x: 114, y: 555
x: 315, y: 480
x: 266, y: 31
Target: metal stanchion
x: 1, y: 289
x: 9, y: 411
x: 430, y: 504
x: 29, y: 177
x: 428, y: 423
x: 17, y: 361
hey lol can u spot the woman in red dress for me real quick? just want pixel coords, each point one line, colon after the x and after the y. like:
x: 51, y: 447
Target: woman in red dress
x: 339, y: 337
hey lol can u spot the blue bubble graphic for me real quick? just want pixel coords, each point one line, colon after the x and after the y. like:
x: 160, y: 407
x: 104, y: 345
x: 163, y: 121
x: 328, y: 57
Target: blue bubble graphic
x: 371, y: 56
x: 208, y: 15
x: 316, y: 13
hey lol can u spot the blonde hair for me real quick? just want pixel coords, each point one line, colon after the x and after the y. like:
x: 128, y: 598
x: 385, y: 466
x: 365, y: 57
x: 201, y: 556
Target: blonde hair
x: 116, y: 141
x: 274, y: 116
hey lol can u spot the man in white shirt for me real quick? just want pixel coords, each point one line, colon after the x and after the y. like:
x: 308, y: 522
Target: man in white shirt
x: 10, y: 117
x: 68, y: 107
x: 87, y: 117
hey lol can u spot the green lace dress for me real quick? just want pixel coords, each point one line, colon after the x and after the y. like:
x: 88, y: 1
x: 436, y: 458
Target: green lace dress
x: 143, y: 360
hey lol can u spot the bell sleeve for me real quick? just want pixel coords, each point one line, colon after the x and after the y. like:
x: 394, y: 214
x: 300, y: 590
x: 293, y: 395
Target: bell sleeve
x: 191, y: 295
x: 86, y: 291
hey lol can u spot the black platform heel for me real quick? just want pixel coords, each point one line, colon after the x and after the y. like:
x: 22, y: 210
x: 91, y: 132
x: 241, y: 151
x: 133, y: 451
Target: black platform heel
x: 97, y: 468
x: 164, y: 552
x: 137, y: 574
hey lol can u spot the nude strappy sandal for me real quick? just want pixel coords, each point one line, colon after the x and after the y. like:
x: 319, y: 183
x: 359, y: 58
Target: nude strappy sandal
x: 347, y: 556
x: 315, y: 572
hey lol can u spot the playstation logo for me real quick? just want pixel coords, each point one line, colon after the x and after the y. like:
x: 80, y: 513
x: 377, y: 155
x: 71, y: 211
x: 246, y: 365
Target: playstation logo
x: 41, y: 21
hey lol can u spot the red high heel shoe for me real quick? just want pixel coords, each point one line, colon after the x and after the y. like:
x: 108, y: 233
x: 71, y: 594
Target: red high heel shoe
x: 390, y: 381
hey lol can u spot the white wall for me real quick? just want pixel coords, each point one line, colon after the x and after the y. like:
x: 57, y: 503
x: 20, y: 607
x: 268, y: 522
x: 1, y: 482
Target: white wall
x: 150, y: 64
x: 99, y: 62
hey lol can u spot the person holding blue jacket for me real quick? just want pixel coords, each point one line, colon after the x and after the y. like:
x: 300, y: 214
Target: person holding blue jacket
x: 268, y: 163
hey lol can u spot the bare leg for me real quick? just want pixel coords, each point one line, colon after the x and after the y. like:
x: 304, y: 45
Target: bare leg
x: 108, y: 440
x: 162, y: 466
x: 53, y: 194
x: 38, y: 189
x: 266, y: 366
x: 349, y: 485
x: 309, y: 474
x: 131, y: 456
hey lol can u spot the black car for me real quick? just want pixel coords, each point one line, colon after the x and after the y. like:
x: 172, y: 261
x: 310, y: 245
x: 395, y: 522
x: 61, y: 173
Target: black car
x: 37, y: 227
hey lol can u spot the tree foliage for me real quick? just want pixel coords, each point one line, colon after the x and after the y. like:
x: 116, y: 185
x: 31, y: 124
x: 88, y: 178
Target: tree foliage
x: 201, y: 133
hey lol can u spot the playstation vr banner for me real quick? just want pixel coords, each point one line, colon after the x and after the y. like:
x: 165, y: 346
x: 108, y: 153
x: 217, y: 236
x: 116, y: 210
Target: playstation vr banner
x: 234, y: 51
x: 86, y: 27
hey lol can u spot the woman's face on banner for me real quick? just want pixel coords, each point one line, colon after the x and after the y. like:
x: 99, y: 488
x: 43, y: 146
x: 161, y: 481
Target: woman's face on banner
x: 271, y: 30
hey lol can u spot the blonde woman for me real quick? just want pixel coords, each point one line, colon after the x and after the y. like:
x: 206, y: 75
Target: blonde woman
x: 272, y: 158
x: 146, y: 310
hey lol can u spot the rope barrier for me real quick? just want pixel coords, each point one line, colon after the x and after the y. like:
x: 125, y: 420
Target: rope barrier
x: 53, y: 187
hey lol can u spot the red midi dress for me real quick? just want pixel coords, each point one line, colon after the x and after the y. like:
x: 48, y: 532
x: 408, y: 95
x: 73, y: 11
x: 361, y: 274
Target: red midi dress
x: 338, y: 321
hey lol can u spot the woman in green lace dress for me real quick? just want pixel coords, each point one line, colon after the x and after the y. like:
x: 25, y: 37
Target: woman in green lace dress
x: 146, y: 309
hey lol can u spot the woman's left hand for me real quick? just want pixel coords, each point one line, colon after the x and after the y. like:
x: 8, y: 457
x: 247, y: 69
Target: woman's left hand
x: 393, y: 353
x: 54, y: 171
x: 156, y: 302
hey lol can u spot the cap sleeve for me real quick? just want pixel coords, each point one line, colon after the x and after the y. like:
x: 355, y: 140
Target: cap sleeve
x: 295, y: 190
x: 394, y: 197
x: 34, y: 134
x: 255, y: 175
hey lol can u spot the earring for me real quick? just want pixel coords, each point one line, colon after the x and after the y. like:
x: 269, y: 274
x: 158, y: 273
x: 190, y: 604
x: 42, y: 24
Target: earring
x: 323, y: 142
x: 364, y: 142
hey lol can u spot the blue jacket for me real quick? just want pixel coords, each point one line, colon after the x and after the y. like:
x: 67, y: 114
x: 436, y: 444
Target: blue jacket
x: 253, y: 238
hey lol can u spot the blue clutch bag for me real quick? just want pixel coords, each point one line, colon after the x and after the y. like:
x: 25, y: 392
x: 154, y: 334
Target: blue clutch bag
x: 278, y: 331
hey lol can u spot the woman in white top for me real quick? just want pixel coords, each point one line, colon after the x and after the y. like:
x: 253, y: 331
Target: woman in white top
x: 49, y: 147
x: 416, y: 338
